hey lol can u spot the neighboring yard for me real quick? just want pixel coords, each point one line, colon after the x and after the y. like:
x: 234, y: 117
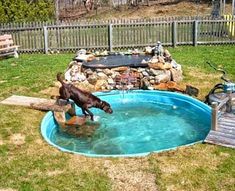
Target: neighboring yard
x: 29, y: 163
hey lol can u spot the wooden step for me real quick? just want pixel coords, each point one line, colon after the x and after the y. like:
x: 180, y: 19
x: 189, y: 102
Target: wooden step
x: 222, y: 134
x: 228, y: 129
x: 227, y: 120
x: 220, y: 138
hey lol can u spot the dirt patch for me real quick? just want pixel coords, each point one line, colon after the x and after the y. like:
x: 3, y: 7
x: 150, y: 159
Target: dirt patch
x: 130, y: 174
x: 1, y: 142
x: 54, y: 173
x: 17, y: 139
x: 126, y: 174
x: 51, y: 91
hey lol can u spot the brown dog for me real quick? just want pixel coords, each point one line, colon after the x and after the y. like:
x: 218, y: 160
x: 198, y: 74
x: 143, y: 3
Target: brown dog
x: 83, y: 99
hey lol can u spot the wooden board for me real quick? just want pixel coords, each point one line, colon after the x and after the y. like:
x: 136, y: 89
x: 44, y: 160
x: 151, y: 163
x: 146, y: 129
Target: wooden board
x: 225, y: 134
x: 50, y: 106
x: 25, y: 100
x: 41, y: 104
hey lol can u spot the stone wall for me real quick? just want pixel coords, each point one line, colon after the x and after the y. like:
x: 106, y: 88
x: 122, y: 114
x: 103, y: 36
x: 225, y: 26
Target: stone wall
x: 161, y: 69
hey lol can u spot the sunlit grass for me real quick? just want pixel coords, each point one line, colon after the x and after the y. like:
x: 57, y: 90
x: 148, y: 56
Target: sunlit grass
x: 29, y: 163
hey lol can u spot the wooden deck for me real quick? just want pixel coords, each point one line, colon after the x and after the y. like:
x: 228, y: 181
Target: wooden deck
x: 225, y: 133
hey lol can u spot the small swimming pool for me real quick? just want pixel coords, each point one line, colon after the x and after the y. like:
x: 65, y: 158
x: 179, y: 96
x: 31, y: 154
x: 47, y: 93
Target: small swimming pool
x: 142, y: 122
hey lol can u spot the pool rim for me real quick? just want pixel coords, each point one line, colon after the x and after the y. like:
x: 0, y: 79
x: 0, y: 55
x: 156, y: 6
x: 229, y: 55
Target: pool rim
x: 49, y: 115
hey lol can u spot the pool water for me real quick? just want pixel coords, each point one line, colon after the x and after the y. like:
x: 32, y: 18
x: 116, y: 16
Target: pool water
x: 142, y: 122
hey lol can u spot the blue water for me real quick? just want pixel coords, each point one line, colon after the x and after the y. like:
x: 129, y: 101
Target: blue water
x: 142, y: 122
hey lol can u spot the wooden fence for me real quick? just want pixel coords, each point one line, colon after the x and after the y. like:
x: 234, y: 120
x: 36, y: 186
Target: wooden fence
x: 119, y: 34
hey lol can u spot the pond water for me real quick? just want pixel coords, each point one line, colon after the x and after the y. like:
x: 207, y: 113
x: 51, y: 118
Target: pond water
x: 118, y: 60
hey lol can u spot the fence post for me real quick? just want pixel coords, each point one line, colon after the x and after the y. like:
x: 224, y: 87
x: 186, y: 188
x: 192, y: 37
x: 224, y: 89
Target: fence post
x: 174, y: 33
x: 214, y: 116
x: 148, y: 3
x: 45, y: 33
x: 110, y: 32
x: 195, y: 32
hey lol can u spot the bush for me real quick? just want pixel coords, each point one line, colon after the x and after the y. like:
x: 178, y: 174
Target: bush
x: 26, y: 10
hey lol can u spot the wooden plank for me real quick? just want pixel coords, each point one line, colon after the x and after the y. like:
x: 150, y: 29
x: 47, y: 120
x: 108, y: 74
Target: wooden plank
x: 24, y: 100
x: 222, y: 135
x: 6, y: 42
x: 227, y: 119
x: 227, y: 124
x: 9, y: 48
x: 226, y: 129
x: 50, y: 106
x: 229, y: 115
x: 219, y: 140
x: 216, y: 142
x: 6, y: 53
x: 5, y: 37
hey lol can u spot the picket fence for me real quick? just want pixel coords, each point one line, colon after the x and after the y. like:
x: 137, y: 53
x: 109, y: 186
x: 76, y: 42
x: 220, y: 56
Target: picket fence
x: 119, y: 34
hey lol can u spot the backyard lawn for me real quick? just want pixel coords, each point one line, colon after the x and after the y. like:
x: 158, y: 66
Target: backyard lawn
x: 29, y: 163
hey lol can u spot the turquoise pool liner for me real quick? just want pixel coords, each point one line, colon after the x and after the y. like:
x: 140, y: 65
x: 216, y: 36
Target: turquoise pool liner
x: 165, y: 97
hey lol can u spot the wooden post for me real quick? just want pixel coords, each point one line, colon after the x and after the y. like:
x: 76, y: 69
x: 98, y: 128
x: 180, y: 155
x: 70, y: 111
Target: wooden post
x: 214, y: 116
x: 147, y: 2
x: 233, y: 7
x: 229, y: 103
x: 195, y: 31
x: 57, y: 11
x: 174, y: 33
x: 224, y: 4
x: 110, y: 31
x: 45, y: 32
x: 221, y: 9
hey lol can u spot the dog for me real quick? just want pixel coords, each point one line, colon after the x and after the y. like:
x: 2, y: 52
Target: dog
x: 81, y: 98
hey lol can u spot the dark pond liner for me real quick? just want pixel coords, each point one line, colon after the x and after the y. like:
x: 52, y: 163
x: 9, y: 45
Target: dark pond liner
x: 113, y: 61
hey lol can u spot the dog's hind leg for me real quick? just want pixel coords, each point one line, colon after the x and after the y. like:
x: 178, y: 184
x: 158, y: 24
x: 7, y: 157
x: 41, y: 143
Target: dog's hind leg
x: 90, y: 113
x: 84, y: 112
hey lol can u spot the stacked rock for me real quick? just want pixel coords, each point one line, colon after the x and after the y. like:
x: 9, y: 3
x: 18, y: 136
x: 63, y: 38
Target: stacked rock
x: 161, y: 69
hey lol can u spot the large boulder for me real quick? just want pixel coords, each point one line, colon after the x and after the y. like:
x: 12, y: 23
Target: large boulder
x: 165, y: 77
x: 101, y: 85
x: 176, y: 75
x: 85, y: 85
x: 160, y: 66
x: 92, y: 79
x: 74, y: 73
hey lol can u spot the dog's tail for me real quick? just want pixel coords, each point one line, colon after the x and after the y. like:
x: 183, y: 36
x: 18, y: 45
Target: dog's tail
x: 60, y: 78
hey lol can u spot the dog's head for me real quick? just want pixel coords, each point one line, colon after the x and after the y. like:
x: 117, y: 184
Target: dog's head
x: 106, y: 107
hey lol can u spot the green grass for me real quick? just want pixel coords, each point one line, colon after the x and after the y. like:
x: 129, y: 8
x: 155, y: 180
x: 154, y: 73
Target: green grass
x: 29, y: 163
x: 30, y: 73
